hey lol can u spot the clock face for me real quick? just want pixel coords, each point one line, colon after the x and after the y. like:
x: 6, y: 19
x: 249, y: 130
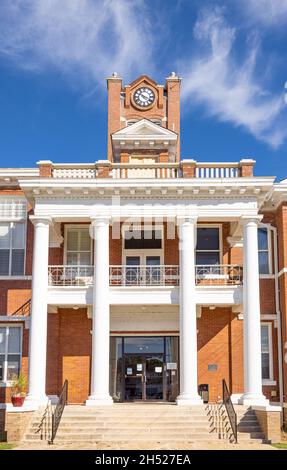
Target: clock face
x: 144, y: 97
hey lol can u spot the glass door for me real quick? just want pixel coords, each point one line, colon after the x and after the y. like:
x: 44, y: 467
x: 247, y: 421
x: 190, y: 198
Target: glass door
x: 132, y: 276
x: 153, y: 276
x: 134, y: 377
x: 154, y: 377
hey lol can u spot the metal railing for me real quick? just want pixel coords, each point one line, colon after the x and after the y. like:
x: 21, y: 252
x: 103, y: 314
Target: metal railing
x: 57, y: 415
x: 70, y: 275
x: 226, y: 398
x: 24, y: 310
x: 144, y: 275
x: 218, y: 274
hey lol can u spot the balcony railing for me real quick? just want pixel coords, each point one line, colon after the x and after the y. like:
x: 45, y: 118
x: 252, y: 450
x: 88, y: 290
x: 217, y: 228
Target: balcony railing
x: 153, y: 170
x: 70, y: 275
x: 218, y: 274
x: 144, y: 275
x: 161, y: 275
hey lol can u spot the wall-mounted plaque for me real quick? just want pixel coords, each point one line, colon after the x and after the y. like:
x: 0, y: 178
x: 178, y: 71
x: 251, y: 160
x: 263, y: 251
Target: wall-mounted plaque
x: 212, y: 367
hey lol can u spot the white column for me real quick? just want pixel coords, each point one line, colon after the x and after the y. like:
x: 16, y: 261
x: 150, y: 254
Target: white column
x: 251, y: 317
x: 38, y: 327
x: 188, y: 328
x: 101, y: 316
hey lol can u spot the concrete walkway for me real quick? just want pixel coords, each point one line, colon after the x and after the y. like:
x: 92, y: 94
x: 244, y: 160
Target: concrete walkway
x: 147, y: 446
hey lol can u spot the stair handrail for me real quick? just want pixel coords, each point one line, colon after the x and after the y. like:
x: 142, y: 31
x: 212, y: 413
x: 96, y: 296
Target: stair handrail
x: 57, y: 415
x: 226, y: 398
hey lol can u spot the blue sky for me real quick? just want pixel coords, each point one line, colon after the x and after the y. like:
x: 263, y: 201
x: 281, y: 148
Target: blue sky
x: 56, y: 54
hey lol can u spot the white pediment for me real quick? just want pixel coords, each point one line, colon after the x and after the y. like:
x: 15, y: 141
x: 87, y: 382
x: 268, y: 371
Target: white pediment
x: 144, y: 129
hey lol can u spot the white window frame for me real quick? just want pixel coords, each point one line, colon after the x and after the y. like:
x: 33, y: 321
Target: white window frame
x: 270, y: 252
x: 73, y: 227
x: 143, y: 253
x: 270, y: 380
x: 5, y: 382
x: 219, y: 226
x: 11, y: 223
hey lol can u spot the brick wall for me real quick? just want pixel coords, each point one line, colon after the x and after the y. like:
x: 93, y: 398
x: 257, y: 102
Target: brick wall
x: 69, y: 353
x: 216, y: 330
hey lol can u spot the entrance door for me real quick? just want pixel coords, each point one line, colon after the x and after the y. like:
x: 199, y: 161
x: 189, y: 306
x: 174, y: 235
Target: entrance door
x: 144, y: 377
x: 154, y: 377
x: 134, y: 377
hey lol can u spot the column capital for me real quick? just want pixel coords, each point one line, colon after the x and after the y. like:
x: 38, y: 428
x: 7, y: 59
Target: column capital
x: 99, y: 220
x: 38, y: 220
x: 186, y: 219
x: 254, y: 219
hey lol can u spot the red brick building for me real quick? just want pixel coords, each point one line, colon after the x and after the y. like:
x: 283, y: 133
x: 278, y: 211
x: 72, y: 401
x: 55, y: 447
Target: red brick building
x: 146, y: 275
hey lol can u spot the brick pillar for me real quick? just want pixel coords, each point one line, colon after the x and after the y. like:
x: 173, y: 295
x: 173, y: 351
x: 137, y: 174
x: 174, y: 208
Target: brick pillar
x: 188, y: 168
x: 173, y: 108
x: 104, y: 168
x: 124, y: 158
x: 163, y: 157
x: 45, y: 168
x: 246, y: 168
x: 114, y: 85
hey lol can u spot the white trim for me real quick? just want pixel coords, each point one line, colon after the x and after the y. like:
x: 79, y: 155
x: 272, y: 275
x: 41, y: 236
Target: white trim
x: 15, y: 278
x: 267, y: 382
x: 15, y: 319
x: 270, y: 344
x: 282, y: 271
x: 9, y: 325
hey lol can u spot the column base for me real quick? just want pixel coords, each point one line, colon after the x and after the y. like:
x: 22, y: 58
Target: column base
x: 250, y: 399
x: 99, y: 400
x: 188, y: 400
x: 235, y: 398
x: 35, y: 402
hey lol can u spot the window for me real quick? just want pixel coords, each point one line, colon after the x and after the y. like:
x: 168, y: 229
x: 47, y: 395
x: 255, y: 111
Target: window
x: 263, y: 251
x: 10, y: 352
x: 78, y: 246
x: 266, y: 348
x: 208, y: 246
x: 12, y: 248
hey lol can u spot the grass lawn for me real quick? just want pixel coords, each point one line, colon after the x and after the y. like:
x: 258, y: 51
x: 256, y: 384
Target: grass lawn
x: 6, y: 446
x: 280, y: 445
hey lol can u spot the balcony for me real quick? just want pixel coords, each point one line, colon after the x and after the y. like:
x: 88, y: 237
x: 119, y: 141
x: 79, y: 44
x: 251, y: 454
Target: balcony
x: 146, y: 276
x: 218, y: 275
x: 152, y: 170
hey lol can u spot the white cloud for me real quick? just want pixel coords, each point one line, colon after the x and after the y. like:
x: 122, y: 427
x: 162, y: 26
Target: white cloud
x: 84, y: 39
x: 267, y: 12
x: 229, y: 90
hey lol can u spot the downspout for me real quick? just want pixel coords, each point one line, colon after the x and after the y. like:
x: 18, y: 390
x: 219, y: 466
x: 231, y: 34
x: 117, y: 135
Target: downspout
x: 278, y: 314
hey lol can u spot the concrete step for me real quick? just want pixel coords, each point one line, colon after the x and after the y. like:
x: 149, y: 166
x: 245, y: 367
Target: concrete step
x: 135, y: 429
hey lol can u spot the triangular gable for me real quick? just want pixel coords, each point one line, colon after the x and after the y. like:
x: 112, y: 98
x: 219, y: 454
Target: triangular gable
x: 144, y: 127
x: 143, y: 78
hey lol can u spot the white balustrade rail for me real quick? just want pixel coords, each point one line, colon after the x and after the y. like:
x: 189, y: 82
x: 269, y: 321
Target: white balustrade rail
x: 218, y: 274
x: 74, y: 172
x: 215, y: 170
x: 144, y: 275
x: 142, y: 170
x: 70, y: 275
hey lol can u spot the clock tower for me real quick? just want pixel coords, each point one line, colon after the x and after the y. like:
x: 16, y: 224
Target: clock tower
x: 144, y: 120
